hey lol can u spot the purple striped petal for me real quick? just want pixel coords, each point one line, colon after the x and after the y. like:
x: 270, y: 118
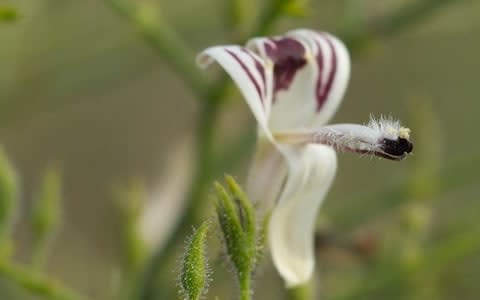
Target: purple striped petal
x: 288, y: 56
x: 311, y: 72
x: 250, y: 74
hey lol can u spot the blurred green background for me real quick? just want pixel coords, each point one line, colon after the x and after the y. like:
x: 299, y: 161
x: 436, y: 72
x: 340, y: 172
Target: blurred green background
x: 80, y: 88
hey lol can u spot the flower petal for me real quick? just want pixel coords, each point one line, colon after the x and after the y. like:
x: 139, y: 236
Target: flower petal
x: 292, y: 224
x: 266, y: 176
x: 311, y: 72
x: 249, y: 73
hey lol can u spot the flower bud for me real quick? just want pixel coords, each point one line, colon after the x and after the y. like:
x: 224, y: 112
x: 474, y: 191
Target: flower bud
x: 194, y: 276
x: 238, y: 225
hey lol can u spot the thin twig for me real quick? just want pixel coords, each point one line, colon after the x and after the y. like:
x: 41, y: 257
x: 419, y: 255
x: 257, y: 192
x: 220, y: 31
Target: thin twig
x: 36, y: 283
x: 195, y: 200
x: 394, y: 23
x: 159, y: 34
x: 272, y: 11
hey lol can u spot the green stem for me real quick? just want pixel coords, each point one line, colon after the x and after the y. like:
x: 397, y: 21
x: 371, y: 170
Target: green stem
x: 394, y: 23
x: 245, y: 290
x: 36, y: 283
x: 195, y: 201
x: 270, y: 14
x: 162, y: 37
x: 302, y: 292
x: 39, y: 255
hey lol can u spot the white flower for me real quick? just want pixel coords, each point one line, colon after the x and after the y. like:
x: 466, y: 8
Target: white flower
x: 293, y: 85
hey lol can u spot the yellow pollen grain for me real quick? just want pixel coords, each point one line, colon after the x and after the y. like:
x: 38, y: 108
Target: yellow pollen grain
x: 391, y: 130
x: 269, y: 65
x: 404, y: 133
x: 308, y: 56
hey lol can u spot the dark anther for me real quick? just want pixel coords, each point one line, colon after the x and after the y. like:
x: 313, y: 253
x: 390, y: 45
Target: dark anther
x: 397, y: 147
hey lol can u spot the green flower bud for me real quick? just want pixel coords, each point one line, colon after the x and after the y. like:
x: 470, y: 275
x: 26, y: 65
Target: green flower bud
x: 194, y: 276
x: 238, y: 225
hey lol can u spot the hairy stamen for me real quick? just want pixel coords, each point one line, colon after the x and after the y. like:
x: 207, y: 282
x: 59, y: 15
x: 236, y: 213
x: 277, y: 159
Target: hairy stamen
x: 382, y: 140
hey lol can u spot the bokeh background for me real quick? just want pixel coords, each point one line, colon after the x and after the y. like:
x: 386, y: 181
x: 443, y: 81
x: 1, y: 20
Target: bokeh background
x: 81, y: 88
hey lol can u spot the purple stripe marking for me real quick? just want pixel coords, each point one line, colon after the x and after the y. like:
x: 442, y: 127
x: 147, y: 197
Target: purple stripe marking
x: 260, y: 70
x: 322, y: 95
x: 318, y: 86
x: 249, y: 74
x: 288, y: 56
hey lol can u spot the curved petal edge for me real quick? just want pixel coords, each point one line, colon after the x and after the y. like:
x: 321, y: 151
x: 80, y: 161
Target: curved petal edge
x: 249, y: 73
x: 291, y: 229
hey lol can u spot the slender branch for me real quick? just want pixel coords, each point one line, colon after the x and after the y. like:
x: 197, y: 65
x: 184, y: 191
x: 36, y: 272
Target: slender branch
x: 394, y: 23
x: 36, y: 283
x: 236, y: 151
x: 195, y: 200
x: 162, y: 37
x: 272, y: 11
x: 245, y: 289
